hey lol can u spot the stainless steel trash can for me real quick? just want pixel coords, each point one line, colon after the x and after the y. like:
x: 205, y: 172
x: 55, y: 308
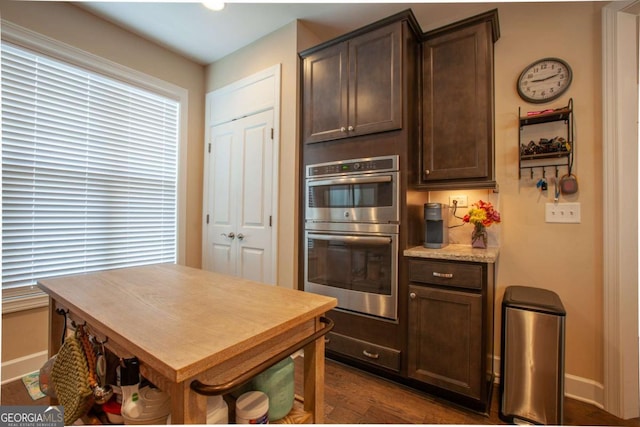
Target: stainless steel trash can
x: 532, y: 356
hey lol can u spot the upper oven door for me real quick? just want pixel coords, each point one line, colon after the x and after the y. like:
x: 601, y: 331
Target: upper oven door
x: 354, y: 198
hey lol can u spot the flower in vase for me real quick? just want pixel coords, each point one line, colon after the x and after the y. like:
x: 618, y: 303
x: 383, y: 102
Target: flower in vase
x: 482, y: 214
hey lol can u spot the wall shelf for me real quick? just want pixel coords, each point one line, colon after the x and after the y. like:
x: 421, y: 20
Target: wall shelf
x: 544, y: 153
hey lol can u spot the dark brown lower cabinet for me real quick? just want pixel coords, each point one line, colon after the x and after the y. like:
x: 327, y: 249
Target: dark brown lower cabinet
x: 365, y: 351
x: 450, y: 331
x: 445, y: 339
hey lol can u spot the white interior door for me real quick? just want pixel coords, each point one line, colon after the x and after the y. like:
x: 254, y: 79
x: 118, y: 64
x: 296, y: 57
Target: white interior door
x: 240, y: 202
x: 222, y: 200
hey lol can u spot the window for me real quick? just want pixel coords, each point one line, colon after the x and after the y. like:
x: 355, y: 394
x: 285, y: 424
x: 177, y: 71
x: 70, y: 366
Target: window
x: 89, y: 171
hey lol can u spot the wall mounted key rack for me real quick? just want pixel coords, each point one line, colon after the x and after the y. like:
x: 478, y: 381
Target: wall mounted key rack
x: 546, y: 140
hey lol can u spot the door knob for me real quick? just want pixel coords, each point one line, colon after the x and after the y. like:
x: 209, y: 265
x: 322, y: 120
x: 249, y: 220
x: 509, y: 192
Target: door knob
x: 240, y: 236
x: 230, y: 235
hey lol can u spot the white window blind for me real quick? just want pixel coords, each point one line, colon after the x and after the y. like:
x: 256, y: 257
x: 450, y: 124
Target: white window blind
x: 89, y: 171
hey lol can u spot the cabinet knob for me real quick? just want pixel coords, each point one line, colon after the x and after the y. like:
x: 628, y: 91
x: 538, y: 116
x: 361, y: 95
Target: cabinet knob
x: 343, y: 129
x: 412, y: 295
x: 350, y: 128
x: 427, y: 172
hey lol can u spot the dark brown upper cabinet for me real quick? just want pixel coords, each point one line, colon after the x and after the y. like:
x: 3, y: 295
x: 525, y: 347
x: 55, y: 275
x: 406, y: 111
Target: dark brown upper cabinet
x: 353, y: 87
x: 457, y: 146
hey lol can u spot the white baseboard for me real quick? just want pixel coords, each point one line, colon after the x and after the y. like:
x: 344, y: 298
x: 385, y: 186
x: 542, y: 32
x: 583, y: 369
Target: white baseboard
x: 578, y: 388
x: 17, y: 368
x: 584, y: 390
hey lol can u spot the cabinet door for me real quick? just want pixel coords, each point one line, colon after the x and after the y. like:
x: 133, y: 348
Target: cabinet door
x: 445, y: 339
x: 325, y: 94
x: 458, y: 105
x: 355, y: 87
x: 375, y: 83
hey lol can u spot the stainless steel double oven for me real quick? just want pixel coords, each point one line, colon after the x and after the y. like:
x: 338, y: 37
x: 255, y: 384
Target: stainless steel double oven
x: 351, y: 232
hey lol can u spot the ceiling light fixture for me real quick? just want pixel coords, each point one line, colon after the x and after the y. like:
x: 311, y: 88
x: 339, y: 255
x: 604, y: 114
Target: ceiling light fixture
x: 216, y: 5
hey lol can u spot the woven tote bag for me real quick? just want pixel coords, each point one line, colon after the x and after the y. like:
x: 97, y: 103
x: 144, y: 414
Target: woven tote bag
x: 70, y: 377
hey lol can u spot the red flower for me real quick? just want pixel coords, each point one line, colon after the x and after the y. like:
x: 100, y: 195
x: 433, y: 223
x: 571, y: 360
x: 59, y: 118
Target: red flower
x: 482, y: 213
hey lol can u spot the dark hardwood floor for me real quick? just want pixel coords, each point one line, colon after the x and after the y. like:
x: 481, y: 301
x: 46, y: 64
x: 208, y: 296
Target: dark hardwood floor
x: 15, y: 393
x: 353, y: 396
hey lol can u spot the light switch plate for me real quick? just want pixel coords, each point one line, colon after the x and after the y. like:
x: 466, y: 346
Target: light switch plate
x: 567, y: 213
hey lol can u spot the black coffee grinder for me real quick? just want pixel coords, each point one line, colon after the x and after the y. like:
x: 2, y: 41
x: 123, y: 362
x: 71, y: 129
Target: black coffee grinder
x: 436, y: 225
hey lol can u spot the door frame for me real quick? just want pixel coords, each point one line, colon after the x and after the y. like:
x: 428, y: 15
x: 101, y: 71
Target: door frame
x: 250, y: 95
x: 620, y: 191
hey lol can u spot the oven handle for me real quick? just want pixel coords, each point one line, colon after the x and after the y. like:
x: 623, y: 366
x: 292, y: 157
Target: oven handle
x: 372, y: 240
x: 355, y: 180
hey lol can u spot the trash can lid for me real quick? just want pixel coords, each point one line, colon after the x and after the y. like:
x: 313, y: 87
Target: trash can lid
x: 529, y: 298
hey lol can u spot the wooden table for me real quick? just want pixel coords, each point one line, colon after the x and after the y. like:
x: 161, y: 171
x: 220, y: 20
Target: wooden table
x: 187, y: 325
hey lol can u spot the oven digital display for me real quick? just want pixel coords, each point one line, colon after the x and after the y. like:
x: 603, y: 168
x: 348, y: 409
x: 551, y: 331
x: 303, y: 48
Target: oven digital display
x: 351, y: 166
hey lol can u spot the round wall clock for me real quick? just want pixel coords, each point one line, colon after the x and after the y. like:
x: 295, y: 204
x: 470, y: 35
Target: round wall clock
x: 544, y: 80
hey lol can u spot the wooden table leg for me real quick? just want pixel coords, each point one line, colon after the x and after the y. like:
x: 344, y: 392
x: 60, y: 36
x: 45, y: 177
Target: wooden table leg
x: 187, y: 406
x: 314, y: 378
x: 56, y: 328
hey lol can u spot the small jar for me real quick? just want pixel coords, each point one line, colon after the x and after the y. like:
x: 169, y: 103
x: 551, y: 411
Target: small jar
x: 252, y: 408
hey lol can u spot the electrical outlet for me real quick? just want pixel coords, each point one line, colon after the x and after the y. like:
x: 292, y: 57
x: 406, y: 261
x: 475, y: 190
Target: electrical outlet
x: 568, y: 213
x: 461, y: 201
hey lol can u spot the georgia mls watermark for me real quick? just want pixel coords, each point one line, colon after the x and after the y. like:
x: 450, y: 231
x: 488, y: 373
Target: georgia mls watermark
x: 31, y: 416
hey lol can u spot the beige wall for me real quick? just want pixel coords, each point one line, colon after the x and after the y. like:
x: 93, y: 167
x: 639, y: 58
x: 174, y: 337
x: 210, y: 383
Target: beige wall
x: 24, y: 333
x: 278, y: 47
x: 564, y: 258
x: 71, y: 25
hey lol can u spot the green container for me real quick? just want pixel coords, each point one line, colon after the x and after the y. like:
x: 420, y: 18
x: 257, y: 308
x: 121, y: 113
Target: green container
x: 277, y: 382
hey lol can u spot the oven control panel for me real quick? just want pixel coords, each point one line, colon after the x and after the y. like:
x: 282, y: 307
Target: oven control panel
x: 346, y: 167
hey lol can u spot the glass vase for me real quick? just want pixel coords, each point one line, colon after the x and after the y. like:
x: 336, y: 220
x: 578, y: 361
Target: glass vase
x: 479, y: 237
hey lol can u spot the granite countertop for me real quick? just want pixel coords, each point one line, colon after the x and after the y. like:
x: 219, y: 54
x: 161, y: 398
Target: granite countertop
x: 455, y: 252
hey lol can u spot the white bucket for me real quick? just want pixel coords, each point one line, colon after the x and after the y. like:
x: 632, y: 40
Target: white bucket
x: 252, y: 408
x: 155, y: 406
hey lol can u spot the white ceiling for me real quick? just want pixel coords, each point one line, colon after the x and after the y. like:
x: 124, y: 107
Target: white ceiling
x: 205, y: 36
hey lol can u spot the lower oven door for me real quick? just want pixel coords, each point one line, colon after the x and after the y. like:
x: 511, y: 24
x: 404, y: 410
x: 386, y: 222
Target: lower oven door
x: 359, y: 270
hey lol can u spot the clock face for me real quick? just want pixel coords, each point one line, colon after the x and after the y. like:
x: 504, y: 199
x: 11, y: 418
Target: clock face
x: 544, y: 80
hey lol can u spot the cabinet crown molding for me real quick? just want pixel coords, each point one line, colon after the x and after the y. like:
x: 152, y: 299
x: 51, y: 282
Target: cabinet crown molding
x: 490, y: 16
x: 405, y: 15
